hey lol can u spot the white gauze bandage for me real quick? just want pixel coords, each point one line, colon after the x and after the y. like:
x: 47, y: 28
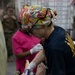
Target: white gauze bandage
x: 31, y: 66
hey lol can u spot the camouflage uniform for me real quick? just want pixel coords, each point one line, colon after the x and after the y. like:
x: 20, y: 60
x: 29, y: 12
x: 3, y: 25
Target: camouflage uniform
x: 10, y: 25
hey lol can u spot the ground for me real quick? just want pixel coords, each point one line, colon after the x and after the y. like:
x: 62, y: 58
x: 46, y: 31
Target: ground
x: 11, y: 68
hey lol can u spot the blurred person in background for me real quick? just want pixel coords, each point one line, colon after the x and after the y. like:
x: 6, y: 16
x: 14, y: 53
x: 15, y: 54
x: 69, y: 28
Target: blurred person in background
x: 58, y: 46
x: 25, y: 45
x: 3, y: 52
x: 10, y: 25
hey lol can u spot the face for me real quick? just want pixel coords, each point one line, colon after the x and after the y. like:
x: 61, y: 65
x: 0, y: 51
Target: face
x: 38, y: 32
x: 10, y: 10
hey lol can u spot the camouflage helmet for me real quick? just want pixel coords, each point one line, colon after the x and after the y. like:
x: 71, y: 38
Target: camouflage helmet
x: 10, y: 5
x: 36, y: 16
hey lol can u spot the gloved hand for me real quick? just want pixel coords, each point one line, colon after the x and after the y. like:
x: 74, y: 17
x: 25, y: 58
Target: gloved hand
x: 36, y: 48
x: 29, y: 68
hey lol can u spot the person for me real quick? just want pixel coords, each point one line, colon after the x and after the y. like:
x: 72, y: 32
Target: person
x: 3, y: 52
x: 58, y: 46
x: 10, y: 25
x: 25, y: 45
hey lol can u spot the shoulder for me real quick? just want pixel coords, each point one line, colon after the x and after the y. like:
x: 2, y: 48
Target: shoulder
x: 59, y: 28
x: 16, y: 35
x: 57, y: 38
x: 59, y: 32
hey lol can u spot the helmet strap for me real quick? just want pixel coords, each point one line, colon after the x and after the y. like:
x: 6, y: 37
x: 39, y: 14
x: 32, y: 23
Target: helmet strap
x: 50, y: 24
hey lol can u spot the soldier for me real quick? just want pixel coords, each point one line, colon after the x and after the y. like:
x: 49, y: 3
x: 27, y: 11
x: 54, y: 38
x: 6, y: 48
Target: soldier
x: 10, y: 25
x: 59, y: 49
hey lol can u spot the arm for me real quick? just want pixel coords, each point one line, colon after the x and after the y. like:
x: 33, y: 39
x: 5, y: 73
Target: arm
x: 18, y: 50
x: 35, y: 49
x: 38, y: 59
x: 23, y: 55
x: 29, y: 52
x: 4, y: 17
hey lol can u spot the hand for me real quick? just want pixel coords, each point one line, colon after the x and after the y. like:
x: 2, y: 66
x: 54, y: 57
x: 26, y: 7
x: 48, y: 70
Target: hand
x: 27, y: 71
x: 36, y: 48
x: 13, y: 17
x: 27, y: 63
x: 41, y: 69
x: 5, y: 16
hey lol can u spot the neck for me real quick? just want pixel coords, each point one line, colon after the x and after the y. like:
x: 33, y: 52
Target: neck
x: 49, y: 30
x: 26, y: 32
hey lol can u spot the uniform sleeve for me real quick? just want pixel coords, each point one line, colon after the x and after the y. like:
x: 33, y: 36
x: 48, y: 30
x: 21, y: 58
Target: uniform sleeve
x: 16, y: 46
x: 58, y: 63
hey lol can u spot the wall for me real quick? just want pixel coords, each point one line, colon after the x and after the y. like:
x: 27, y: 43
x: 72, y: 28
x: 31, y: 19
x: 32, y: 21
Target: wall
x: 62, y: 7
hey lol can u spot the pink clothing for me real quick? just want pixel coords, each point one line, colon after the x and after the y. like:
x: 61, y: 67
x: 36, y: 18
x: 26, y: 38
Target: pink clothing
x: 22, y: 42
